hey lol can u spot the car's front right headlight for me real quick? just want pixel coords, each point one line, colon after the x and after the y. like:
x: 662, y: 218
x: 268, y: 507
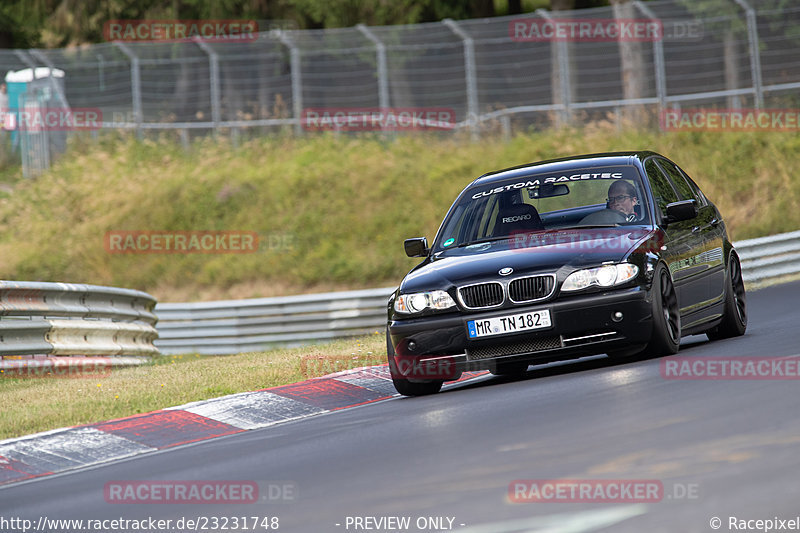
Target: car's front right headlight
x: 604, y: 276
x: 420, y: 301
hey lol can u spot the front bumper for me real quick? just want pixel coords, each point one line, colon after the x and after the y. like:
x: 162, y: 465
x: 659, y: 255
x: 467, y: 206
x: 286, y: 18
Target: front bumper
x: 438, y: 346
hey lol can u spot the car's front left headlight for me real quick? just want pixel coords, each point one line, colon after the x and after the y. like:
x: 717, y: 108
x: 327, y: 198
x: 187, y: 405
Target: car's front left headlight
x: 420, y: 301
x: 604, y: 276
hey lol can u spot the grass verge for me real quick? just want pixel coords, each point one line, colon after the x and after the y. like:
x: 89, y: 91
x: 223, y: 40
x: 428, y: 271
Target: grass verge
x: 331, y: 212
x: 39, y: 404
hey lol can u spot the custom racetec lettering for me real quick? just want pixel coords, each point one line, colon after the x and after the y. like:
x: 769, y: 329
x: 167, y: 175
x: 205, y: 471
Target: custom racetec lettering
x: 583, y: 175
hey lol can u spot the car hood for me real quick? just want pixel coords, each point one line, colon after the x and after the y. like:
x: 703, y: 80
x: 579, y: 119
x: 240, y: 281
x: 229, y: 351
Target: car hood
x: 530, y: 253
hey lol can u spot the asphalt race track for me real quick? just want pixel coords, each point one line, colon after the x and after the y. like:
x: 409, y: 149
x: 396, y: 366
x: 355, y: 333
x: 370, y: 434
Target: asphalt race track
x: 718, y: 449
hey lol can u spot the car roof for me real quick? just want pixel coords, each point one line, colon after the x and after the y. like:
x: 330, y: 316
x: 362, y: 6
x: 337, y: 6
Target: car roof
x: 565, y: 163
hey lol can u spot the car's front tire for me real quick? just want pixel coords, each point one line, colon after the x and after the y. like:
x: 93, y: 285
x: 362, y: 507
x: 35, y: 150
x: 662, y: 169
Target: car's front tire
x: 734, y: 316
x: 666, y: 336
x: 402, y: 384
x: 409, y: 388
x: 631, y: 352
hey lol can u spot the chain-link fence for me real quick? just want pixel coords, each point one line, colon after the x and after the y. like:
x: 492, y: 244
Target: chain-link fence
x: 493, y: 73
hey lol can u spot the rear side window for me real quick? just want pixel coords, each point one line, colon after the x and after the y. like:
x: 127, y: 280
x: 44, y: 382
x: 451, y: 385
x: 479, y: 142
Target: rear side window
x: 679, y: 181
x: 663, y: 193
x: 701, y: 198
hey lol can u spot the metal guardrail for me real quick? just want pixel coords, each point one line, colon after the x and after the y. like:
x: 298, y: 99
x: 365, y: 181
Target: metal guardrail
x: 66, y: 319
x: 236, y: 326
x: 770, y: 257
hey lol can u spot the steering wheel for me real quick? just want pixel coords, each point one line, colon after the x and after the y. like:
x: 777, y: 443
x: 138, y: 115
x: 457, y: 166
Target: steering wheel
x: 604, y: 216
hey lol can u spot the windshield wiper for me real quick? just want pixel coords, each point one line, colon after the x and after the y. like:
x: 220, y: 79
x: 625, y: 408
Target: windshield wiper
x: 589, y: 226
x: 487, y: 239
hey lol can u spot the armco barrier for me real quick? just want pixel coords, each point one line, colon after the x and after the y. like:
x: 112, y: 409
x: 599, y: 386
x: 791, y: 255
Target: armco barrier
x: 67, y: 319
x: 770, y: 257
x: 236, y: 326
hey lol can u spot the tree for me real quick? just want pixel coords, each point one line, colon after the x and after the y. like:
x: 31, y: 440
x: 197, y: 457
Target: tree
x: 631, y: 61
x: 559, y: 78
x: 733, y: 27
x: 727, y: 18
x: 58, y: 23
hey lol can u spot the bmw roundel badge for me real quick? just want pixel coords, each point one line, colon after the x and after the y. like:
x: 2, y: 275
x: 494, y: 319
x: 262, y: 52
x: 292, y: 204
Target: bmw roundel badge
x: 505, y: 271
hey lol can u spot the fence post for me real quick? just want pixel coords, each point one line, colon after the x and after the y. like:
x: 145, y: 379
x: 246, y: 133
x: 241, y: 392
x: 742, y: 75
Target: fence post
x: 23, y: 143
x: 383, y: 71
x: 297, y: 80
x: 34, y: 145
x: 101, y: 71
x: 658, y: 60
x: 34, y: 161
x: 755, y: 56
x: 53, y: 83
x: 213, y: 66
x: 136, y: 85
x: 470, y: 71
x: 25, y: 59
x: 563, y: 69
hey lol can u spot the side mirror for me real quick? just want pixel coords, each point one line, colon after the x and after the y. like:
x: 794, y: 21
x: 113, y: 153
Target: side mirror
x: 417, y: 247
x: 683, y: 210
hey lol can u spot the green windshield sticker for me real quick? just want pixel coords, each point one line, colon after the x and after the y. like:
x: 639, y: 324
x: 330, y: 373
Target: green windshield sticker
x: 448, y: 242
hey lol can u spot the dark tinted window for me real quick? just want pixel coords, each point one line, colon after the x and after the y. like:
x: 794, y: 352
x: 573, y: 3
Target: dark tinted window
x: 678, y: 180
x: 663, y: 193
x: 701, y: 198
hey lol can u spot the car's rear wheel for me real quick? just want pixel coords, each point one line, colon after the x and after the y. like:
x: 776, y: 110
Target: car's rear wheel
x: 402, y: 384
x: 510, y: 368
x: 734, y: 316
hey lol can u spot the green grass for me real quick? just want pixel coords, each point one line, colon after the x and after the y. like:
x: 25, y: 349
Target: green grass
x: 331, y: 212
x: 32, y: 405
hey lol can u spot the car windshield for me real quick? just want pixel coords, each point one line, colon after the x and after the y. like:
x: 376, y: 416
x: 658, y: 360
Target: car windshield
x: 577, y: 198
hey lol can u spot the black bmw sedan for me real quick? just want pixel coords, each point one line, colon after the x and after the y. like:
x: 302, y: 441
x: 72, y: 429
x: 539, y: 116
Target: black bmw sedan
x: 615, y: 253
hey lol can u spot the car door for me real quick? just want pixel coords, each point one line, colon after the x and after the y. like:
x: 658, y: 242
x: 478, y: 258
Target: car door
x: 708, y: 261
x: 680, y: 242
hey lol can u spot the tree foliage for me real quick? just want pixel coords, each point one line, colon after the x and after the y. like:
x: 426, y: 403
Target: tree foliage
x: 59, y: 23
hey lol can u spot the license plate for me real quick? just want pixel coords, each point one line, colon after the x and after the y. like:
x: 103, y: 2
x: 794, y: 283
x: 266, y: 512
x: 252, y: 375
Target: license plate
x: 509, y: 324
